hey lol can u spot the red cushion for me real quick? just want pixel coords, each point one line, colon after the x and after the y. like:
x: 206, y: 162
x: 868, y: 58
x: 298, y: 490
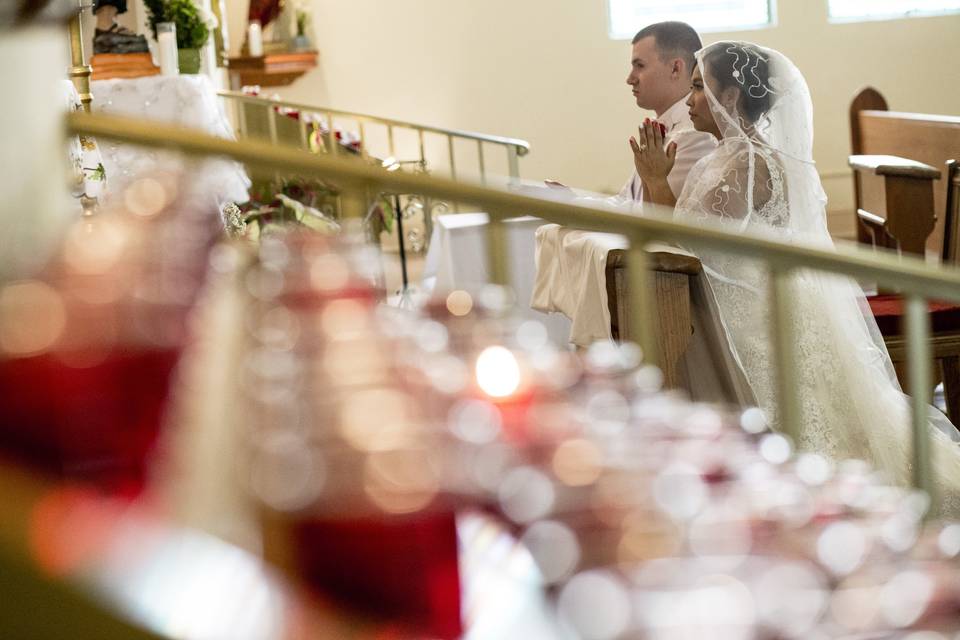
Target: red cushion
x: 888, y: 311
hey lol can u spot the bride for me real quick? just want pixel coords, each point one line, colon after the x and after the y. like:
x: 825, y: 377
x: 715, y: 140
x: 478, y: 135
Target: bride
x: 761, y: 180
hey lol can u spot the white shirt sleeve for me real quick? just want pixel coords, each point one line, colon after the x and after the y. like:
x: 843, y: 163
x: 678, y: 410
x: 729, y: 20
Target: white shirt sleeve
x: 691, y: 146
x: 632, y: 190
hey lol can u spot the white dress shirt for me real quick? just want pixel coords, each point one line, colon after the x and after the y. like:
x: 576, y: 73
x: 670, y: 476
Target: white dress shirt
x: 691, y: 146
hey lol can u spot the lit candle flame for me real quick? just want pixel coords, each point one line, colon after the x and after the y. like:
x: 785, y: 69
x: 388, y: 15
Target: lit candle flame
x: 498, y: 372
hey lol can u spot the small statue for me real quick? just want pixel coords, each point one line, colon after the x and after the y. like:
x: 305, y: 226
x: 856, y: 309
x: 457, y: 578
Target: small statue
x: 110, y: 37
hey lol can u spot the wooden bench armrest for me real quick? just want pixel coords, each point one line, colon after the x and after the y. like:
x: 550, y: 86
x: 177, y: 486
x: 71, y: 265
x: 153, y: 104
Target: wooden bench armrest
x: 870, y: 219
x: 893, y: 166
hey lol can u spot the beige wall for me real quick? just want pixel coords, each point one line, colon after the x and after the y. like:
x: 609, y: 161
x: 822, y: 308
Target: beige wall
x: 546, y: 71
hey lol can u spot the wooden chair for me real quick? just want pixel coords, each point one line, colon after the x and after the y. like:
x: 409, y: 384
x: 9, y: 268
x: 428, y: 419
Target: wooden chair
x: 945, y: 316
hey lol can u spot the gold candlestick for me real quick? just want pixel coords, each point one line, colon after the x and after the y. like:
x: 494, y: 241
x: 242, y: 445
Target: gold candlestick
x: 80, y: 72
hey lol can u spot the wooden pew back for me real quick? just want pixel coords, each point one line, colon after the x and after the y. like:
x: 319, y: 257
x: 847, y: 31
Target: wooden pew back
x: 951, y: 219
x: 930, y: 139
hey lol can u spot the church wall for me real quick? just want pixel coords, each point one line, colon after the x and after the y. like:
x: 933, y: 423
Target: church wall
x: 546, y: 71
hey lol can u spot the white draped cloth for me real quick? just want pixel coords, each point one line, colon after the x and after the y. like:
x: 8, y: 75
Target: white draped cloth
x: 185, y: 100
x: 457, y: 259
x: 571, y: 279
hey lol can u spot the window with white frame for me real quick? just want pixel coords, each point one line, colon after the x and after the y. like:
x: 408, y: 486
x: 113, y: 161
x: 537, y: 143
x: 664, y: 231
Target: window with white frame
x: 629, y: 16
x: 850, y: 10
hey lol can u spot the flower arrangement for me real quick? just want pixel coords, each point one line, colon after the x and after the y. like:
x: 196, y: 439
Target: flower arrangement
x: 292, y: 201
x: 193, y: 23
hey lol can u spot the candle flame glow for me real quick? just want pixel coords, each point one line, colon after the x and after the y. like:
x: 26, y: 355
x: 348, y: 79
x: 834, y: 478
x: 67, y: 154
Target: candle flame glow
x: 498, y: 372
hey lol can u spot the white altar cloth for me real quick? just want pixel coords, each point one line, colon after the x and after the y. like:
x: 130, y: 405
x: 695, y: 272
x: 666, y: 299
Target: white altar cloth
x: 571, y: 279
x: 457, y: 259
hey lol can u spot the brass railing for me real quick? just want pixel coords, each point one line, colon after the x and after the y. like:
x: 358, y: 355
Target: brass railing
x: 263, y: 118
x: 917, y: 280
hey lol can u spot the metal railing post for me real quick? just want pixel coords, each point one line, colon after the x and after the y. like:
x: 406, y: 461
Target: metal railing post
x: 642, y: 312
x: 918, y: 373
x: 782, y: 339
x: 423, y: 149
x: 497, y: 248
x: 453, y: 168
x: 331, y: 136
x: 513, y: 163
x: 272, y: 125
x: 304, y: 135
x: 483, y: 169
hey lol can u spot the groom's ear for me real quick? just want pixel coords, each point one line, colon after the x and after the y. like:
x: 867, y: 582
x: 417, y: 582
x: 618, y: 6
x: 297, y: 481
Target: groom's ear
x: 679, y: 69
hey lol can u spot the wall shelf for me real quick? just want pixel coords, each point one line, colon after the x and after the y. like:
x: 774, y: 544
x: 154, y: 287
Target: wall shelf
x: 271, y: 70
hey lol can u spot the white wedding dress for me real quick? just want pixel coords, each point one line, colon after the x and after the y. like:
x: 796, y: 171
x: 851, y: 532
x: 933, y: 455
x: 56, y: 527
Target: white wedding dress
x: 761, y: 180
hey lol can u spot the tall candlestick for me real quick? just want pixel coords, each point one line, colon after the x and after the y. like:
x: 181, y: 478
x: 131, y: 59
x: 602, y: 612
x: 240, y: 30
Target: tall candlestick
x: 167, y: 48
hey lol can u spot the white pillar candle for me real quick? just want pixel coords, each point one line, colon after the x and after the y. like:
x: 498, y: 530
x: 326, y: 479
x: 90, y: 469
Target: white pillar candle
x: 254, y: 39
x: 167, y: 48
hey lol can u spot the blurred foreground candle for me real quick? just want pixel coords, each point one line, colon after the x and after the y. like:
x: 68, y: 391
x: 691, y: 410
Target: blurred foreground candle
x: 402, y: 568
x: 167, y: 48
x: 88, y: 347
x: 343, y: 461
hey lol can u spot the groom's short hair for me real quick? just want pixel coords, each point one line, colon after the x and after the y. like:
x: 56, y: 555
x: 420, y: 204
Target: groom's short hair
x: 673, y: 40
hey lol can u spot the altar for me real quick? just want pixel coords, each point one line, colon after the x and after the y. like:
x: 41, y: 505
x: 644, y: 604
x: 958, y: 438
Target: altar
x: 457, y: 259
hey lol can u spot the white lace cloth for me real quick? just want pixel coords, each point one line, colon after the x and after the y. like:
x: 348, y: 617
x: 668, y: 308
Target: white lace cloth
x: 83, y: 153
x: 186, y: 100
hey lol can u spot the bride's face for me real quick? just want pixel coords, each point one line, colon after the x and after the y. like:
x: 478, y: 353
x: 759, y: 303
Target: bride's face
x: 699, y: 105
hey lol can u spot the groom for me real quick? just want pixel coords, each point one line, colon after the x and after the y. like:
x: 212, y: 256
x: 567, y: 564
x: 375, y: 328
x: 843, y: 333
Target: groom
x: 661, y: 64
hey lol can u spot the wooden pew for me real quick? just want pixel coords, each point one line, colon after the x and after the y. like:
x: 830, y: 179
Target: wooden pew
x: 897, y: 201
x: 925, y: 138
x: 906, y: 216
x: 672, y: 273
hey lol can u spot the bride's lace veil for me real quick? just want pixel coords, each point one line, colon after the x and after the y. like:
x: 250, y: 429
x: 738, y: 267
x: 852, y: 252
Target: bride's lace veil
x: 762, y: 180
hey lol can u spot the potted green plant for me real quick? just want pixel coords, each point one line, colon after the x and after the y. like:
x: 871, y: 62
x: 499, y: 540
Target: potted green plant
x: 301, y: 42
x: 193, y: 28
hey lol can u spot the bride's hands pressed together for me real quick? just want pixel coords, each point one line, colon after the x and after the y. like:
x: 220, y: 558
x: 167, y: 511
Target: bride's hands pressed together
x: 654, y: 160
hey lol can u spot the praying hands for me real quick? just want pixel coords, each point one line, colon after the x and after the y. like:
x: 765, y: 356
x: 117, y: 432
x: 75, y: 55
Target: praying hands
x: 654, y: 159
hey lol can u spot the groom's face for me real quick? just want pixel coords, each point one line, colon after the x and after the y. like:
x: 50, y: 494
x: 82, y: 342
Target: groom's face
x: 650, y: 77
